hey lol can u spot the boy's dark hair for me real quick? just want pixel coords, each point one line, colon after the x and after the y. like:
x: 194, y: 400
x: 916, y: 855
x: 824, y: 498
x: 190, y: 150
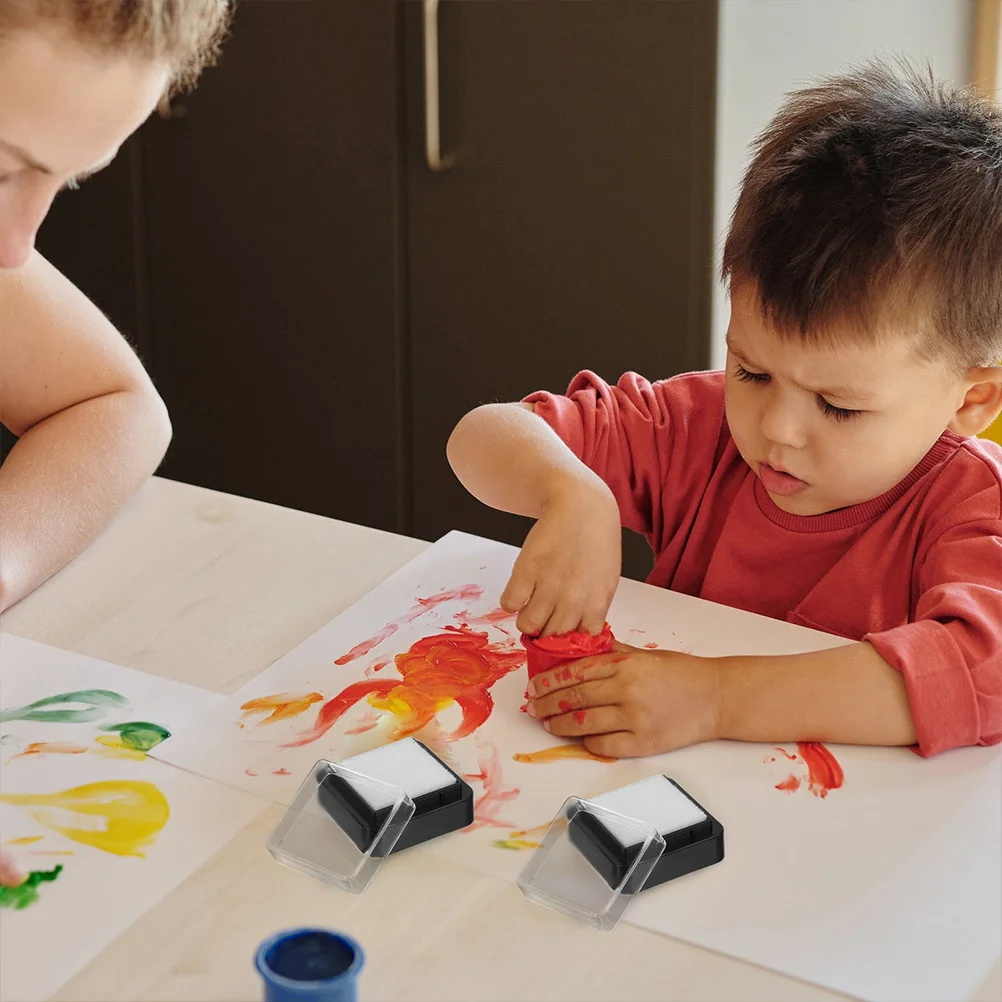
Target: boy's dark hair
x: 877, y: 196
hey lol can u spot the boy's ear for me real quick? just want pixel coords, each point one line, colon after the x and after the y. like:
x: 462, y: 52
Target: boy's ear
x: 982, y: 401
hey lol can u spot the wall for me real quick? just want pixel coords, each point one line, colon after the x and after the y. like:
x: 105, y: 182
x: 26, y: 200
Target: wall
x: 769, y: 47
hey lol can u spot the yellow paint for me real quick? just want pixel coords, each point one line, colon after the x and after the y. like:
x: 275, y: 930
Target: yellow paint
x: 112, y: 747
x: 25, y: 840
x: 559, y: 752
x: 282, y: 705
x: 121, y: 816
x: 52, y: 748
x: 52, y: 852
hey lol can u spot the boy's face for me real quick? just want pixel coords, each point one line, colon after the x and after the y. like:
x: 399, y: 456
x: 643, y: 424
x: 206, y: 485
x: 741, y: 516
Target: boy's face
x: 64, y: 112
x: 825, y: 428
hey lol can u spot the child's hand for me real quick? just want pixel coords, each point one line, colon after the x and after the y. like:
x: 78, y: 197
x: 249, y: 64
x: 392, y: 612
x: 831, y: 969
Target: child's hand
x: 10, y: 875
x: 630, y: 702
x: 568, y: 570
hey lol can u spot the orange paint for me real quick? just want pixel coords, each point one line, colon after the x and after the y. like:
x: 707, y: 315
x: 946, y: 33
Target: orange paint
x: 789, y: 784
x: 457, y: 666
x: 281, y: 772
x: 466, y: 593
x: 280, y: 706
x: 24, y: 840
x: 52, y: 748
x: 558, y: 753
x: 824, y: 772
x: 651, y: 646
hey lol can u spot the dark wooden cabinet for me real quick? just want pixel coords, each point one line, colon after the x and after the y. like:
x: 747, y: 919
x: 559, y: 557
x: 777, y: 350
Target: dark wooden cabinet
x: 318, y: 306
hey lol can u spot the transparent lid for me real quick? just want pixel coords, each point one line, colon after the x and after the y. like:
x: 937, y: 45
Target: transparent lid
x: 340, y: 826
x: 591, y: 863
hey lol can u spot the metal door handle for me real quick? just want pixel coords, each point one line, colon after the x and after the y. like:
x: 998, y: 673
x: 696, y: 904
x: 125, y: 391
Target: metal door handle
x: 432, y: 131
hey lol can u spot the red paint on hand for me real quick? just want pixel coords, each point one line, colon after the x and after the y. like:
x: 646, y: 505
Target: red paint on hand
x: 579, y: 716
x: 565, y: 706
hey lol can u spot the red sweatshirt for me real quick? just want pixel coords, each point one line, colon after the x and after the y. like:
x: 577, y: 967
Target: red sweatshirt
x: 917, y: 571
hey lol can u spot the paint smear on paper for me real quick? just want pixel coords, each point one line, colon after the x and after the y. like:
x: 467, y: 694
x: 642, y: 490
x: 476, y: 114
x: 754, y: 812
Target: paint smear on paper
x: 24, y: 840
x: 457, y: 666
x: 52, y: 748
x: 465, y: 593
x: 824, y: 772
x: 281, y: 772
x: 651, y: 646
x: 526, y: 839
x: 280, y: 706
x: 496, y: 794
x: 119, y: 816
x: 366, y: 722
x: 786, y: 754
x: 131, y: 740
x: 27, y: 893
x: 250, y: 772
x: 789, y: 784
x: 96, y: 701
x: 559, y: 753
x: 496, y: 617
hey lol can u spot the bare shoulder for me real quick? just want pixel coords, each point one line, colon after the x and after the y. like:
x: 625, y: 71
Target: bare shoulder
x: 56, y: 347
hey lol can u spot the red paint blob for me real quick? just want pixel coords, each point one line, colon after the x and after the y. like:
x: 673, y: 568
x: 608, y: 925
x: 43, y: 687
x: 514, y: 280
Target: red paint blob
x: 783, y: 751
x: 579, y: 716
x: 565, y: 706
x: 789, y: 784
x: 824, y: 771
x: 549, y: 652
x: 524, y: 708
x: 250, y: 772
x: 651, y: 646
x: 281, y: 772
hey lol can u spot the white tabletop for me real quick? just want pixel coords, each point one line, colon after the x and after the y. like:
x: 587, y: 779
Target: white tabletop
x: 210, y: 589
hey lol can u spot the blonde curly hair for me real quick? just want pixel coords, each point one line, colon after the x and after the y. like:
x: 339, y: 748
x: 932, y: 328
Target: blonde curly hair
x: 184, y: 33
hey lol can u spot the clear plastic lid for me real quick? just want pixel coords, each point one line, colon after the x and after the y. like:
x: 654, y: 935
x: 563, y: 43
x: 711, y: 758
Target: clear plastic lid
x: 591, y: 863
x: 322, y: 832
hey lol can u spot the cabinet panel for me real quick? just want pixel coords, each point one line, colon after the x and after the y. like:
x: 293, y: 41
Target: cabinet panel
x: 573, y: 229
x: 273, y: 221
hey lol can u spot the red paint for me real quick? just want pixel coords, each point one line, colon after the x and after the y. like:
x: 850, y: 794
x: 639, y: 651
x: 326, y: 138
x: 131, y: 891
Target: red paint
x: 492, y: 618
x: 789, y: 784
x: 651, y: 646
x: 487, y: 808
x: 465, y: 593
x: 549, y: 652
x: 281, y: 772
x: 456, y: 666
x: 379, y: 665
x: 546, y: 683
x: 565, y: 706
x: 524, y: 708
x: 824, y: 771
x: 783, y: 751
x: 579, y: 716
x: 565, y: 675
x: 250, y: 772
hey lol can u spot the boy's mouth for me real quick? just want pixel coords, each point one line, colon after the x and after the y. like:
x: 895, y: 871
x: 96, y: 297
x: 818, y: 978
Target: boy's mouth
x: 779, y: 482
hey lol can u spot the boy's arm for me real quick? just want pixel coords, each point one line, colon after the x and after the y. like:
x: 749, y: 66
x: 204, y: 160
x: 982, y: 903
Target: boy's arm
x: 847, y: 695
x: 568, y: 567
x: 91, y: 426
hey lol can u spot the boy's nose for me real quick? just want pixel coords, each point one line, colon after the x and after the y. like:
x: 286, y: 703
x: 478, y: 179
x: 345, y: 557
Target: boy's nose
x: 781, y: 425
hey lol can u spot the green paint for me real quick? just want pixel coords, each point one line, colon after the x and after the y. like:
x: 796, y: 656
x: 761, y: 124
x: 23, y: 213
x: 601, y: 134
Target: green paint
x: 96, y: 701
x: 138, y: 735
x: 27, y: 893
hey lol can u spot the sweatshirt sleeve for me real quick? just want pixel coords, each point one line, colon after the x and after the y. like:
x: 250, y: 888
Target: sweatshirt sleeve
x: 951, y: 653
x: 623, y: 433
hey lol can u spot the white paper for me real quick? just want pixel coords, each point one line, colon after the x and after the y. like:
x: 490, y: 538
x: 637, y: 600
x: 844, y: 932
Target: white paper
x: 99, y: 893
x: 884, y: 888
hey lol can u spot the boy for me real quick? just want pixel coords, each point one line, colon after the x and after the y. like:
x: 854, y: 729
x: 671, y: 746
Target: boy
x: 77, y: 77
x: 828, y: 477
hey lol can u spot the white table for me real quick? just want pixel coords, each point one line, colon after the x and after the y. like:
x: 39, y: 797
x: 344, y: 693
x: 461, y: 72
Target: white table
x: 210, y: 589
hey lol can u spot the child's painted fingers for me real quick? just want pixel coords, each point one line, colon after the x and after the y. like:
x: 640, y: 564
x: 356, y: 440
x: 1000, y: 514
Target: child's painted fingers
x: 586, y: 670
x: 579, y: 723
x: 582, y: 696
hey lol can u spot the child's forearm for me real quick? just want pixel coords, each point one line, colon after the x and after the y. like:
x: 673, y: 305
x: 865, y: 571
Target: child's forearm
x: 846, y: 694
x: 66, y: 477
x: 510, y: 459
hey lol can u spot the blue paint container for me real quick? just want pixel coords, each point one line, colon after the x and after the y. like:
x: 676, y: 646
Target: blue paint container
x: 309, y: 965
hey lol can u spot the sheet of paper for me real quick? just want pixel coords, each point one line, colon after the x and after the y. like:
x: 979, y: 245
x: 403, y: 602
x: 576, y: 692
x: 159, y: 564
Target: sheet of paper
x: 78, y: 791
x: 868, y: 871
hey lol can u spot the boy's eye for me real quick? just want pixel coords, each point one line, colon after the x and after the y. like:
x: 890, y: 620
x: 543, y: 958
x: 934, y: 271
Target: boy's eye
x: 838, y: 413
x: 750, y: 377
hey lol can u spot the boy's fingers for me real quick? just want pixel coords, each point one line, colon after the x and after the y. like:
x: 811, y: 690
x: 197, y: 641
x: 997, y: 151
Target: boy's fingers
x: 582, y: 696
x: 599, y: 720
x: 517, y: 592
x: 585, y: 670
x: 618, y: 744
x: 565, y: 619
x: 536, y: 613
x: 593, y: 619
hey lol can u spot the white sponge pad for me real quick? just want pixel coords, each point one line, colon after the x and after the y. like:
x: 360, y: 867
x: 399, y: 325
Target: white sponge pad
x: 654, y: 801
x: 405, y: 764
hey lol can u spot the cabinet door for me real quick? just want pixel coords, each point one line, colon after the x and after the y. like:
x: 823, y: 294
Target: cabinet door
x: 272, y: 218
x: 573, y: 228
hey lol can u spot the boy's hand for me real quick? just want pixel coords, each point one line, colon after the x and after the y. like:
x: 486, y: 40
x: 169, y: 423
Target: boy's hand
x: 630, y: 702
x: 567, y: 572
